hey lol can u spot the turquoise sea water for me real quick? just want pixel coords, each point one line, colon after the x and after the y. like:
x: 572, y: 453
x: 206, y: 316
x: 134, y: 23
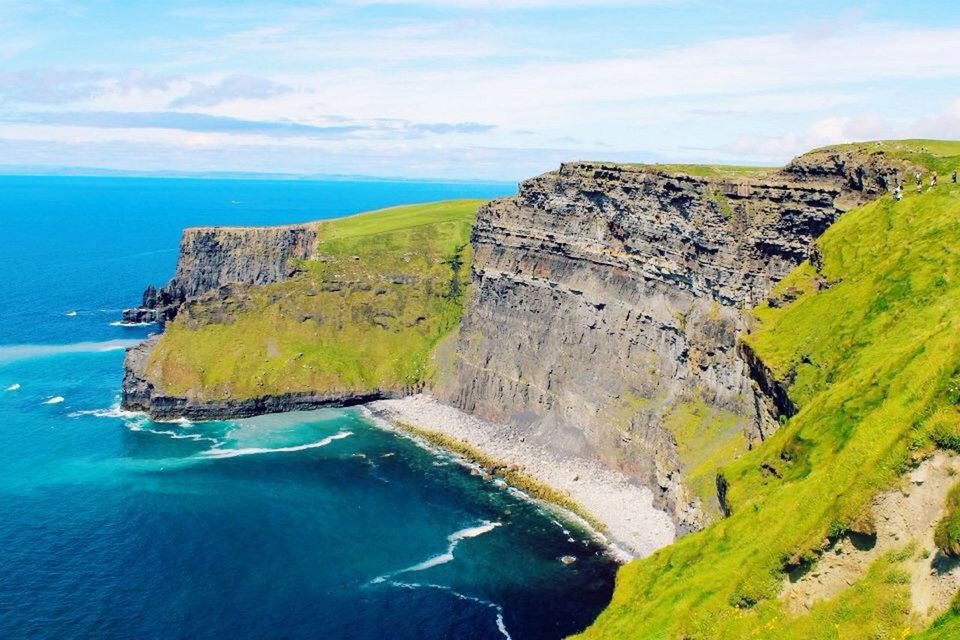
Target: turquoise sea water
x: 301, y: 525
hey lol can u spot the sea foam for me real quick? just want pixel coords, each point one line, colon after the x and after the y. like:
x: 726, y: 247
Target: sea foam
x: 53, y: 400
x: 22, y: 351
x: 13, y: 387
x: 501, y: 625
x: 249, y: 451
x: 447, y: 556
x: 138, y: 425
x: 113, y: 412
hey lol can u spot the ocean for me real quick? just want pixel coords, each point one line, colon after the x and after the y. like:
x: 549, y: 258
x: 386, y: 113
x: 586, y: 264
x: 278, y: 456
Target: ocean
x: 301, y: 525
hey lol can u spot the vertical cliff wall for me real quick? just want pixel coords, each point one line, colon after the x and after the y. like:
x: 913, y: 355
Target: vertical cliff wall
x: 214, y: 257
x: 607, y: 304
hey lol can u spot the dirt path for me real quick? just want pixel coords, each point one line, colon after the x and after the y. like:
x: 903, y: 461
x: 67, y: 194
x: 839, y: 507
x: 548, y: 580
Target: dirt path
x: 903, y: 517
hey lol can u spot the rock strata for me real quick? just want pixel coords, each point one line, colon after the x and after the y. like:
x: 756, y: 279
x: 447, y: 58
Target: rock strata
x: 215, y: 257
x: 608, y: 300
x: 604, y: 316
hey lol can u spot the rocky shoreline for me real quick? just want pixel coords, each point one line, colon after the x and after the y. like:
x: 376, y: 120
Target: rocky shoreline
x: 624, y: 509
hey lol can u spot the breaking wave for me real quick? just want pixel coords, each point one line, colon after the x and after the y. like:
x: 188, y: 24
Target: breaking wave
x: 113, y: 412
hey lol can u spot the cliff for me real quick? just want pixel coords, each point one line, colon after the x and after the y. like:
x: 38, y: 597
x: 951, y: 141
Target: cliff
x: 608, y: 304
x: 786, y: 339
x: 271, y: 319
x: 829, y: 527
x: 214, y: 257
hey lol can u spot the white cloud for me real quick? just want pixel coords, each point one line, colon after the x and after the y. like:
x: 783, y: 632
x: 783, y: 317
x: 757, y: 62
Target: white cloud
x: 840, y: 129
x: 772, y: 95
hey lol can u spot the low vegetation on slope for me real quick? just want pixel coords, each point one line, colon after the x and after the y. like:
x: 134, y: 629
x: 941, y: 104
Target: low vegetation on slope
x: 386, y: 288
x: 871, y: 347
x: 947, y: 535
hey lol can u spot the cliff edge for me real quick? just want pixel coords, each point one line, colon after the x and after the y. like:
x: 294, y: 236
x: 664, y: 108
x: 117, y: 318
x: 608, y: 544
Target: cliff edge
x: 608, y: 303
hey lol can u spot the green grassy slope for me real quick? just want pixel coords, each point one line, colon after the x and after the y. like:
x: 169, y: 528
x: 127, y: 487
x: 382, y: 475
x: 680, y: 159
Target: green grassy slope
x: 873, y: 347
x: 715, y: 171
x: 388, y: 285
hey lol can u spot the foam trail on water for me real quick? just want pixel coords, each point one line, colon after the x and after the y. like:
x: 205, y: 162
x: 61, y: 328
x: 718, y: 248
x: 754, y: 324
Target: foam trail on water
x: 121, y: 323
x: 9, y: 353
x: 233, y: 453
x: 113, y: 412
x: 501, y: 625
x: 442, y: 558
x: 71, y: 314
x: 13, y: 387
x: 53, y: 400
x: 138, y: 425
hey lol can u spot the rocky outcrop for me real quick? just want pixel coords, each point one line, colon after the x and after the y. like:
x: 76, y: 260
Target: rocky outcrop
x: 214, y: 257
x: 860, y: 174
x: 772, y: 402
x: 609, y: 297
x: 141, y: 395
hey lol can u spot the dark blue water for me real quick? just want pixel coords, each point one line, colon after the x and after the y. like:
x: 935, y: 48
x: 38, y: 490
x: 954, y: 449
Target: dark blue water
x: 293, y: 526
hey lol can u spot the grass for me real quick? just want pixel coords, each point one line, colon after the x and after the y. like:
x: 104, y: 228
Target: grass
x: 386, y: 288
x: 942, y: 156
x: 947, y: 534
x: 707, y: 438
x: 875, y: 358
x: 717, y: 171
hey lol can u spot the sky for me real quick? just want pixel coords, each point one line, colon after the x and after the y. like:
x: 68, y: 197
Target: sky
x: 464, y: 89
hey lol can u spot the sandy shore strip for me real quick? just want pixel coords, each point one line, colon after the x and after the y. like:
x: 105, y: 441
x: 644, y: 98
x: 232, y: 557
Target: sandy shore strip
x: 606, y: 498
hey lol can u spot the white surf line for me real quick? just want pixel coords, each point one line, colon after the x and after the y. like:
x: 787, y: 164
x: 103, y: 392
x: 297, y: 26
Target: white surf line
x: 442, y: 558
x: 195, y: 437
x: 114, y: 411
x: 13, y: 387
x: 233, y: 453
x: 585, y: 529
x: 13, y: 352
x: 135, y: 420
x: 53, y: 400
x: 501, y: 625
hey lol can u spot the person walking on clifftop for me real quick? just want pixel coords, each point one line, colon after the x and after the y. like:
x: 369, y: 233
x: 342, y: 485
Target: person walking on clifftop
x: 919, y: 179
x: 933, y: 179
x: 953, y: 177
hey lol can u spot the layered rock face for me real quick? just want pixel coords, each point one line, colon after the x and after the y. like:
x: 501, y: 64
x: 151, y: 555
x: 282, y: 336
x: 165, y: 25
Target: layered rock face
x: 214, y: 257
x: 607, y: 301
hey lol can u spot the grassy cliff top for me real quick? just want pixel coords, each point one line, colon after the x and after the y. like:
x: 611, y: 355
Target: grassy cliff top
x: 385, y: 288
x: 872, y: 345
x: 715, y: 171
x: 942, y: 156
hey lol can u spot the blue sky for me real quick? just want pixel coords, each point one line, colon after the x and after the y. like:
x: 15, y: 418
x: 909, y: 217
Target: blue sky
x: 476, y: 89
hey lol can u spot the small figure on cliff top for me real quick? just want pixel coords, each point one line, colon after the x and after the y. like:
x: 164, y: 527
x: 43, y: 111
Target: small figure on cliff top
x: 918, y: 178
x: 953, y: 177
x: 898, y: 193
x: 933, y: 179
